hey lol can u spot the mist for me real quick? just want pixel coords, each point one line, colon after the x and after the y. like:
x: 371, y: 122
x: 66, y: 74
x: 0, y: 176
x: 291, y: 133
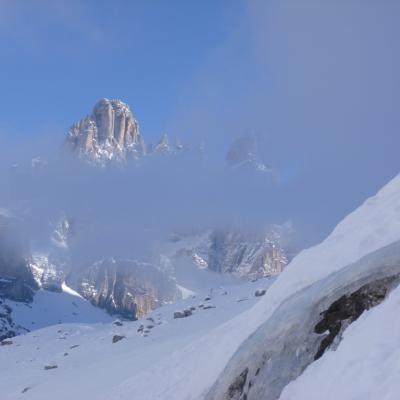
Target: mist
x: 317, y: 82
x: 123, y: 210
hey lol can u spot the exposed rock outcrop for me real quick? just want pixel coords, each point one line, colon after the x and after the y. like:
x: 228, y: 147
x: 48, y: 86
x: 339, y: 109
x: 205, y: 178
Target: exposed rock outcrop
x: 109, y: 132
x: 246, y: 255
x: 243, y: 155
x: 305, y: 325
x: 50, y: 269
x: 128, y: 288
x: 241, y: 254
x: 16, y: 280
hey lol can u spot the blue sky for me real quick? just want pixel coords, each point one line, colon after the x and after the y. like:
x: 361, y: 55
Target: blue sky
x: 59, y: 57
x: 318, y: 79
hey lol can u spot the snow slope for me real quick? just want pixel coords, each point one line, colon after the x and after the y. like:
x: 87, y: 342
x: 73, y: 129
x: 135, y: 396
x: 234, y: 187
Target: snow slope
x: 181, y: 359
x: 373, y: 225
x: 51, y: 308
x: 96, y: 368
x: 366, y: 365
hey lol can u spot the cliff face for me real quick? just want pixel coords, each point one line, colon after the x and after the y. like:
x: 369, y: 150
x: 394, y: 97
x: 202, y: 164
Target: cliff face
x: 109, y: 132
x: 246, y: 255
x: 241, y: 254
x: 16, y: 279
x: 51, y: 268
x: 129, y: 288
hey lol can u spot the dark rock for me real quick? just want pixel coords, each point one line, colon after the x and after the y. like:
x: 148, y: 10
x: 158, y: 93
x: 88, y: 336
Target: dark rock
x: 16, y: 280
x: 50, y: 366
x: 242, y: 299
x: 6, y: 342
x: 182, y: 314
x: 208, y: 306
x: 260, y: 292
x: 26, y: 389
x: 117, y: 338
x: 348, y: 308
x: 292, y: 337
x: 235, y: 390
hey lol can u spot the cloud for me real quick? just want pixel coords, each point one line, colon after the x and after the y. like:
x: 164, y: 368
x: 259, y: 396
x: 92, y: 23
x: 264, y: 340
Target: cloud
x: 123, y: 211
x: 317, y: 79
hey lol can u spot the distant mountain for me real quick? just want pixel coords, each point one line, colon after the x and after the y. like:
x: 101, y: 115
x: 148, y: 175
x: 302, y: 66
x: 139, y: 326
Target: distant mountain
x: 244, y: 155
x: 125, y: 287
x: 228, y: 251
x: 132, y: 288
x: 328, y: 326
x: 109, y: 132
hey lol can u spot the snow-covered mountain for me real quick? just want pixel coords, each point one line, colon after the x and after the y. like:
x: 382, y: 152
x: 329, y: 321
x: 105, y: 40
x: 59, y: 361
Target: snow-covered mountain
x: 227, y: 251
x: 109, y: 132
x: 327, y: 325
x: 129, y: 287
x: 243, y: 155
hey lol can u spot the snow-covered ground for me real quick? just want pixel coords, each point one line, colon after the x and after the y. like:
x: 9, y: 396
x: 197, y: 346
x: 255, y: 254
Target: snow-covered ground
x: 180, y: 359
x: 96, y: 368
x: 366, y: 365
x: 51, y: 308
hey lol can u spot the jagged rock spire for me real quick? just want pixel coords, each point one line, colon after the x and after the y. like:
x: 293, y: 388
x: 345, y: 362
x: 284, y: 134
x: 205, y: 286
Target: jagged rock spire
x: 163, y: 145
x: 109, y: 132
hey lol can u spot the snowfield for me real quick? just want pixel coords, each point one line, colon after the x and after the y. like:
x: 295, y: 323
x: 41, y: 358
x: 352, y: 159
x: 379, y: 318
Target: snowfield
x: 182, y: 359
x: 366, y: 365
x: 95, y: 367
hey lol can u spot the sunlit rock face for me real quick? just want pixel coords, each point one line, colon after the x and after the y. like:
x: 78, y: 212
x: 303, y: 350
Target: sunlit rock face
x: 246, y: 255
x: 129, y: 288
x: 110, y: 132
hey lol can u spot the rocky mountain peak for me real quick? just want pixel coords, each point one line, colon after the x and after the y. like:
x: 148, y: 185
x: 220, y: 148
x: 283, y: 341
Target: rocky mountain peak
x: 243, y: 154
x: 109, y: 132
x: 163, y: 146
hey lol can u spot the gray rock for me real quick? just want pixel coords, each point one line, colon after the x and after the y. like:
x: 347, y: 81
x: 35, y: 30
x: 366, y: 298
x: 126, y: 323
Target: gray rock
x: 50, y: 366
x: 117, y: 338
x: 182, y: 314
x: 304, y: 325
x: 129, y: 288
x: 243, y: 254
